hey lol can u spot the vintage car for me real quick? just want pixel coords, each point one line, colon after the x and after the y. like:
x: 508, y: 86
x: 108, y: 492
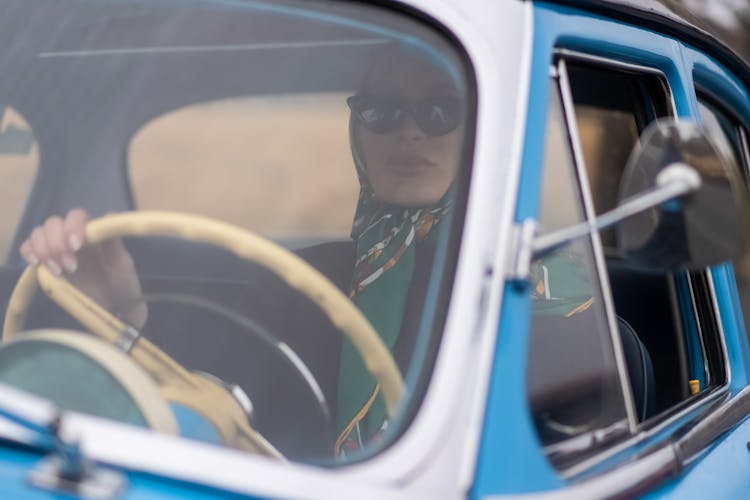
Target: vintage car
x: 414, y: 249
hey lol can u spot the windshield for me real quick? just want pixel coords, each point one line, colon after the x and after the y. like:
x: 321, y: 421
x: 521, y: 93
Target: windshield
x: 229, y: 220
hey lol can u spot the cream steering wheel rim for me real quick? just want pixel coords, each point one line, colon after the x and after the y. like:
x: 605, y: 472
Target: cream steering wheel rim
x: 293, y: 270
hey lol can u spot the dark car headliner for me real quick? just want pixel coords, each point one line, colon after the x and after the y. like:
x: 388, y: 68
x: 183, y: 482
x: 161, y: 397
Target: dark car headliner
x: 87, y: 74
x: 183, y: 55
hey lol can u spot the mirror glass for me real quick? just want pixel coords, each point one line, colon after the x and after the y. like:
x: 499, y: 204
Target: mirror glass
x: 697, y: 230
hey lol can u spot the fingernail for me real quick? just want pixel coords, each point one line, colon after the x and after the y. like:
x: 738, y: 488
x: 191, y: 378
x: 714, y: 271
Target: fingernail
x: 32, y: 259
x: 69, y: 263
x: 74, y: 242
x: 53, y: 267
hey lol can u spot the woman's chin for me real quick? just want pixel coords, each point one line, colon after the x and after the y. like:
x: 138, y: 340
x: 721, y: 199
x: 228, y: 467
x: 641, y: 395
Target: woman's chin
x: 412, y: 198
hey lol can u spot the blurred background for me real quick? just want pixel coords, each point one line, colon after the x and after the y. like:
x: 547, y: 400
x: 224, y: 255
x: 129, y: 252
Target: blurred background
x: 728, y: 19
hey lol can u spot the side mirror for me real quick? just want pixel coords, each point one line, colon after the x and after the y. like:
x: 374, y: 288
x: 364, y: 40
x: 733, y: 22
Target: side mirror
x: 680, y: 205
x: 692, y: 231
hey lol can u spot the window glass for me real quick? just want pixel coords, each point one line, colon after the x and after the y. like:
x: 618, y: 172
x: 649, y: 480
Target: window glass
x: 240, y: 139
x: 727, y: 135
x: 723, y: 131
x: 573, y: 381
x: 235, y: 131
x: 19, y: 160
x: 611, y: 111
x: 622, y: 104
x: 665, y: 324
x: 656, y: 313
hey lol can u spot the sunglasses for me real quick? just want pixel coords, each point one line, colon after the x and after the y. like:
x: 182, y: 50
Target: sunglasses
x: 435, y: 116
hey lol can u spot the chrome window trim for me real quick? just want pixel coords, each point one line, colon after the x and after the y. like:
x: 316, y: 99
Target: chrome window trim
x: 652, y: 468
x: 602, y: 61
x: 610, y: 62
x: 699, y: 327
x: 623, y: 481
x: 668, y: 418
x: 595, y: 239
x: 701, y: 406
x: 719, y: 329
x: 674, y: 301
x: 576, y: 471
x: 745, y: 149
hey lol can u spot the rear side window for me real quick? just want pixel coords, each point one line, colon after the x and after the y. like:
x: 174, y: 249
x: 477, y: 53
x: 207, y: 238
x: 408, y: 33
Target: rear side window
x: 730, y: 137
x: 19, y: 160
x: 265, y: 146
x: 726, y: 133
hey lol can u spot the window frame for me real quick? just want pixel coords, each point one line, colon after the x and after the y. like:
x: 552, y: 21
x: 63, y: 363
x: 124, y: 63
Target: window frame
x: 638, y: 431
x: 716, y: 105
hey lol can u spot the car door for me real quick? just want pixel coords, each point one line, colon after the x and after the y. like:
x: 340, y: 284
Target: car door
x: 620, y: 361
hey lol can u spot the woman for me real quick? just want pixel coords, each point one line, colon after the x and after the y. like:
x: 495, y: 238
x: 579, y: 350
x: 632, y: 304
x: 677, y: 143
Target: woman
x: 405, y: 133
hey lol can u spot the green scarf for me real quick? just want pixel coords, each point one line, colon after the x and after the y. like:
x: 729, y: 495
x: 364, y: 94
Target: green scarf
x: 386, y: 237
x: 561, y: 285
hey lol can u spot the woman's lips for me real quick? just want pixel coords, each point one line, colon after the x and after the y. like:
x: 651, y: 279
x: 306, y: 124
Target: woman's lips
x: 411, y: 163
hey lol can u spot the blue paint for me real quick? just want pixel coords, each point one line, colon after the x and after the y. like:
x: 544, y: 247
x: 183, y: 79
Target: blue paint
x: 730, y: 310
x: 193, y: 425
x: 720, y: 473
x: 712, y: 76
x: 510, y: 458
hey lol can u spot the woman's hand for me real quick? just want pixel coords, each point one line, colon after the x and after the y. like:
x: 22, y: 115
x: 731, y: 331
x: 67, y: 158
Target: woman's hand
x: 105, y: 272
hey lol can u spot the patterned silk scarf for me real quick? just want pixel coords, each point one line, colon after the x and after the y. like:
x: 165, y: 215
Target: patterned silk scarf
x: 385, y: 237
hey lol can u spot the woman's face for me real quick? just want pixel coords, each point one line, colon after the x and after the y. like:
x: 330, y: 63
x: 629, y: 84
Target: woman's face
x: 408, y: 166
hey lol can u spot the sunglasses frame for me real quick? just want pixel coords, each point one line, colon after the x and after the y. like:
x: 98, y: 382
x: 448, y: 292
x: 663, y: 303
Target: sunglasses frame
x: 357, y: 107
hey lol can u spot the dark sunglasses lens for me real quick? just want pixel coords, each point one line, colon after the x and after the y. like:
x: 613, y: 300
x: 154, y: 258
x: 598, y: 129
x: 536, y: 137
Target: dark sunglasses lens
x: 438, y: 116
x: 379, y: 115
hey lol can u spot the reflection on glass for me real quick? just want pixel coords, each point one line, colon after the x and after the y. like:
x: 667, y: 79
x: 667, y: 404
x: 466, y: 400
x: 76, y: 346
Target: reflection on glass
x: 19, y: 159
x: 335, y: 132
x: 573, y: 384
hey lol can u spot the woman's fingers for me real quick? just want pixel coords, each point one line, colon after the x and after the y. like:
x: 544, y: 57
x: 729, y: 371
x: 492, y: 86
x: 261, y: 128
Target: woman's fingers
x: 74, y: 236
x: 28, y: 253
x: 60, y: 257
x: 56, y: 242
x: 75, y: 225
x: 41, y: 250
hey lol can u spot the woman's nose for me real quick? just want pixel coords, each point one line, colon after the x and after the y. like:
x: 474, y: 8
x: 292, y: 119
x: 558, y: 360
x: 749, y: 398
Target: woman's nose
x: 409, y: 129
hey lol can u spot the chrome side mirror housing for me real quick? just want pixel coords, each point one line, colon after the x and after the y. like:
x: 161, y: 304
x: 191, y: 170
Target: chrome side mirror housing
x: 680, y: 205
x: 700, y: 228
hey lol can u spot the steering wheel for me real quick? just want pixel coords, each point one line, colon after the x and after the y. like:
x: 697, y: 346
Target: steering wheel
x: 177, y: 384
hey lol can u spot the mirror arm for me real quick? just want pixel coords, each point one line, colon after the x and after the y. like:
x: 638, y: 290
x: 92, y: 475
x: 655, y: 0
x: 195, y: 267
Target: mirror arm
x: 675, y: 181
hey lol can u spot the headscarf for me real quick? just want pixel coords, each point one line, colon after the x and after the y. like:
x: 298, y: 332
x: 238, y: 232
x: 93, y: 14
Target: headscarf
x: 386, y: 236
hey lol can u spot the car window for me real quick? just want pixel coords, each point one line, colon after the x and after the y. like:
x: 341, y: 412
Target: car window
x: 729, y: 136
x: 240, y: 139
x: 302, y: 167
x: 665, y: 344
x: 569, y: 398
x: 661, y: 309
x: 726, y: 133
x: 611, y: 110
x: 19, y: 161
